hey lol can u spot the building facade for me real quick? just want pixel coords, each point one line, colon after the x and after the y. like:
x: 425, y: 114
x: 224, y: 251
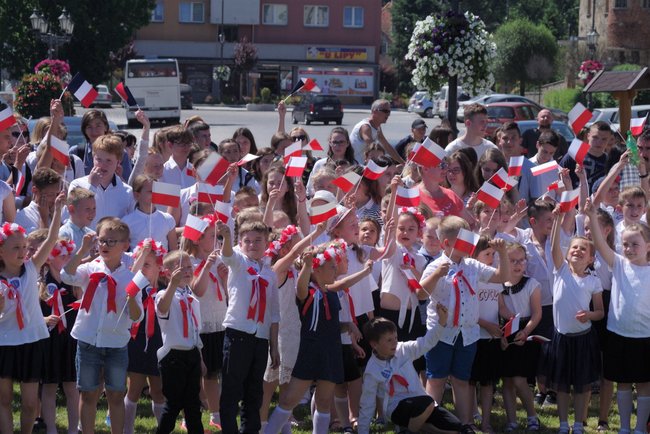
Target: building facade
x: 334, y: 42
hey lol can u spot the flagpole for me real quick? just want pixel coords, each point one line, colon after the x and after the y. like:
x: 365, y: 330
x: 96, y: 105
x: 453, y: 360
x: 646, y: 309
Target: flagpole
x: 65, y: 89
x: 120, y: 317
x: 282, y: 182
x: 492, y: 216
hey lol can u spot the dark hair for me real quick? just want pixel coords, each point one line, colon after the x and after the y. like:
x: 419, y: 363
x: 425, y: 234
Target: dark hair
x: 509, y: 126
x: 469, y: 178
x: 45, y: 177
x: 482, y: 244
x: 377, y: 327
x: 195, y: 127
x: 249, y: 135
x: 536, y: 207
x: 349, y: 151
x: 494, y: 155
x: 90, y: 116
x: 440, y: 135
x: 645, y: 136
x: 549, y: 137
x: 371, y: 186
x: 178, y: 134
x: 255, y: 164
x: 289, y: 204
x: 600, y: 126
x: 126, y: 137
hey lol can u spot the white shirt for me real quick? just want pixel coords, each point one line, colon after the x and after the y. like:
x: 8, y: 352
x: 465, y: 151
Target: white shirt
x: 240, y: 296
x: 173, y: 174
x: 572, y: 294
x: 629, y: 308
x: 114, y: 201
x: 73, y: 232
x: 213, y: 309
x: 488, y: 305
x: 140, y: 228
x: 29, y: 217
x: 5, y: 190
x: 444, y: 292
x: 26, y: 286
x: 378, y: 374
x: 519, y: 303
x: 460, y: 143
x: 361, y: 291
x: 545, y: 179
x: 96, y: 326
x: 357, y: 142
x: 171, y: 324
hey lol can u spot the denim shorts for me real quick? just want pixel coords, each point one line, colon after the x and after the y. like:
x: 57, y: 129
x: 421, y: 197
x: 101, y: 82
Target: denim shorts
x: 456, y: 360
x: 92, y: 361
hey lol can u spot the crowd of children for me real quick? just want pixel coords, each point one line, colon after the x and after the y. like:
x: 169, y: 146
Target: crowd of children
x: 362, y: 283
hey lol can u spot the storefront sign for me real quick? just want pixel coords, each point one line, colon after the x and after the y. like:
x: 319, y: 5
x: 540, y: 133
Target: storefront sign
x: 341, y: 81
x: 337, y: 53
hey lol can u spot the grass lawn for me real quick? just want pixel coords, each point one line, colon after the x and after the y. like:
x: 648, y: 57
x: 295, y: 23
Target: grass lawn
x: 145, y: 422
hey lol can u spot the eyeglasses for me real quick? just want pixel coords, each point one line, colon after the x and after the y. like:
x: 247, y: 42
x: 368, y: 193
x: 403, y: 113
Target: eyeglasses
x: 108, y: 242
x: 301, y: 138
x: 17, y: 134
x: 518, y: 261
x: 454, y: 171
x: 443, y: 165
x: 386, y: 111
x: 338, y: 142
x: 182, y: 145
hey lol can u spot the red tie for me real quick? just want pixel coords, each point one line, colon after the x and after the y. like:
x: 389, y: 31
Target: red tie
x: 150, y: 313
x: 111, y: 285
x: 408, y: 260
x: 456, y: 280
x: 55, y: 303
x: 399, y: 379
x: 184, y: 308
x: 258, y: 287
x: 351, y: 302
x: 14, y: 294
x: 212, y: 277
x: 311, y: 298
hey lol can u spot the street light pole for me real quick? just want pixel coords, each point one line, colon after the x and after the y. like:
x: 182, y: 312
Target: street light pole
x: 41, y: 27
x: 592, y: 43
x: 453, y: 84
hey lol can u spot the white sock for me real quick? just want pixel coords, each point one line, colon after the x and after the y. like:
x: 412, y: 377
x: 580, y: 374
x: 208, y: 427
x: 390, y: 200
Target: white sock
x: 286, y: 428
x: 342, y: 410
x: 642, y: 413
x: 277, y: 420
x: 321, y: 422
x: 130, y: 409
x: 313, y: 405
x: 157, y: 410
x: 624, y: 401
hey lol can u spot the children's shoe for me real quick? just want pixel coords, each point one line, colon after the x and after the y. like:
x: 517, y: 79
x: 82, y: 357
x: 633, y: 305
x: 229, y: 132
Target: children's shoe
x: 467, y: 429
x: 478, y: 419
x: 215, y: 424
x: 603, y: 426
x: 532, y: 423
x: 348, y: 430
x: 540, y: 398
x: 511, y: 426
x: 39, y: 424
x: 183, y: 425
x: 380, y: 421
x: 107, y: 421
x: 551, y: 399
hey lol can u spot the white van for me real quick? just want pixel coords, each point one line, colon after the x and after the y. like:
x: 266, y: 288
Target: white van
x: 442, y: 103
x: 156, y: 86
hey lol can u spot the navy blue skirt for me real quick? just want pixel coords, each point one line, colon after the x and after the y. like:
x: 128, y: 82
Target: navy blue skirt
x: 573, y: 361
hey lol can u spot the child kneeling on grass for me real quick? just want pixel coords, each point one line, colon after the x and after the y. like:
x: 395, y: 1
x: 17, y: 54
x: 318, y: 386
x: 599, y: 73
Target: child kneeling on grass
x: 391, y: 377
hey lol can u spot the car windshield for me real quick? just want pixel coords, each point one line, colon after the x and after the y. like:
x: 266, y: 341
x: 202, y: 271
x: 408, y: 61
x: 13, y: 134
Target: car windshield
x: 327, y: 99
x: 501, y: 112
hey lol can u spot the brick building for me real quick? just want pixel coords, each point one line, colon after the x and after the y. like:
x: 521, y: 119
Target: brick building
x: 336, y: 43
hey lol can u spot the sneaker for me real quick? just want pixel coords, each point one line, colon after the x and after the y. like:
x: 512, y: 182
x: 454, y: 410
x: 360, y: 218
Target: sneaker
x: 532, y: 423
x: 107, y: 421
x: 39, y: 424
x: 539, y: 398
x: 603, y: 426
x: 348, y: 430
x: 478, y: 419
x: 511, y: 426
x: 380, y: 421
x: 468, y: 429
x: 549, y: 400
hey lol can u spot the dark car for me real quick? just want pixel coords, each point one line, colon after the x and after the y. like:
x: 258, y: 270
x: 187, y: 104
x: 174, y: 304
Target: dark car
x: 500, y: 112
x: 186, y: 97
x: 318, y: 108
x: 561, y: 127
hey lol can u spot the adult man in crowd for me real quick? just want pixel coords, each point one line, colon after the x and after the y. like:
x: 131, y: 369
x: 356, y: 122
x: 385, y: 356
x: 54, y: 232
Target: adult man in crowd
x: 369, y: 131
x: 418, y: 131
x: 475, y: 128
x: 530, y: 137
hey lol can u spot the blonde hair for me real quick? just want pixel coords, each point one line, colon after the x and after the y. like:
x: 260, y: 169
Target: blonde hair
x: 111, y: 144
x: 450, y: 226
x: 78, y: 194
x: 630, y: 193
x: 116, y: 225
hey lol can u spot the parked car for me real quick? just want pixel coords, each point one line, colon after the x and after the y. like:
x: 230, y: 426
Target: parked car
x: 505, y: 97
x: 603, y: 114
x: 73, y: 125
x: 186, y: 97
x: 319, y: 108
x: 560, y: 127
x: 104, y: 97
x: 501, y: 112
x: 442, y: 103
x: 417, y: 96
x: 425, y: 107
x: 638, y: 111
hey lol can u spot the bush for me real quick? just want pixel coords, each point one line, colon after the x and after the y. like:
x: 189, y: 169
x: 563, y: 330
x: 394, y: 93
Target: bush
x: 563, y: 99
x: 265, y: 93
x: 34, y: 94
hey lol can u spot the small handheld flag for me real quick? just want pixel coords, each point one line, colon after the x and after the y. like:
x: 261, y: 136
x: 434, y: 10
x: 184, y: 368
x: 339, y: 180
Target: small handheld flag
x: 429, y: 154
x: 296, y: 166
x: 313, y: 145
x: 247, y: 159
x: 636, y: 125
x: 502, y: 180
x: 125, y: 93
x: 490, y: 195
x: 194, y: 228
x: 322, y: 213
x: 305, y: 84
x: 209, y: 193
x: 83, y: 90
x: 347, y: 181
x: 512, y: 326
x: 516, y: 163
x: 543, y: 168
x: 166, y: 194
x: 578, y: 117
x: 7, y: 118
x: 137, y: 284
x: 466, y: 241
x: 569, y: 200
x: 578, y: 150
x: 293, y: 150
x: 407, y: 196
x: 213, y: 168
x: 59, y: 150
x: 223, y: 211
x: 373, y: 171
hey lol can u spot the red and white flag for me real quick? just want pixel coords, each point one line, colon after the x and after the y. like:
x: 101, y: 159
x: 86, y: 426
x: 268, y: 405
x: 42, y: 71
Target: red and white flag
x: 223, y: 211
x: 84, y: 91
x: 411, y: 280
x: 7, y: 118
x: 137, y: 284
x: 209, y: 193
x: 313, y: 145
x: 636, y: 125
x: 555, y: 185
x: 407, y: 196
x: 59, y: 150
x: 578, y: 150
x: 466, y: 241
x: 347, y: 181
x: 429, y: 154
x: 490, y: 195
x: 194, y: 227
x: 512, y: 326
x: 578, y: 117
x: 296, y: 166
x: 569, y: 200
x: 247, y: 159
x: 305, y: 84
x: 322, y: 213
x: 502, y: 180
x: 166, y: 194
x: 543, y: 168
x: 293, y: 150
x: 373, y: 171
x: 213, y: 168
x: 125, y: 93
x: 516, y: 163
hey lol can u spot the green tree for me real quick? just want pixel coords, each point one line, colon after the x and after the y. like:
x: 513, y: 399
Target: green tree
x: 525, y: 53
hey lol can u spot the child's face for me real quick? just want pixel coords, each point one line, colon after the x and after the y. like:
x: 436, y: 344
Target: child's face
x: 517, y: 259
x: 611, y: 196
x: 543, y: 222
x: 273, y: 182
x: 83, y: 213
x: 342, y: 265
x: 338, y: 144
x: 265, y: 163
x: 386, y: 346
x: 181, y: 150
x: 477, y: 124
x: 6, y: 141
x: 150, y: 268
x: 448, y: 245
x: 606, y: 230
x: 154, y: 166
x: 348, y: 228
x: 46, y: 195
x: 488, y: 169
x: 325, y: 183
x: 633, y: 209
x: 281, y: 221
x: 111, y: 245
x: 206, y: 242
x: 486, y: 256
x: 187, y: 271
x: 244, y: 202
x: 489, y: 215
x: 368, y: 235
x: 14, y: 251
x: 635, y: 247
x: 326, y: 273
x: 598, y: 141
x: 580, y: 254
x: 32, y: 247
x: 253, y: 244
x: 431, y: 241
x: 244, y: 144
x: 143, y: 197
x: 455, y: 174
x: 59, y: 262
x: 408, y: 230
x: 230, y: 151
x: 544, y: 152
x: 106, y: 163
x: 94, y: 129
x: 361, y: 194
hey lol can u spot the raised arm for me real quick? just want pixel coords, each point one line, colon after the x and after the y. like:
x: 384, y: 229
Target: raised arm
x: 282, y: 111
x: 503, y: 272
x: 302, y: 285
x: 352, y: 279
x: 143, y: 146
x: 597, y: 236
x: 201, y: 282
x: 168, y: 296
x: 283, y: 264
x: 44, y: 250
x: 610, y: 178
x: 556, y: 250
x: 226, y: 247
x: 429, y: 282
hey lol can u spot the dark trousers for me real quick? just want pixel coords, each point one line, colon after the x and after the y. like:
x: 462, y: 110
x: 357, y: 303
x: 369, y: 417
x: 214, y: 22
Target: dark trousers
x: 244, y: 362
x: 181, y: 384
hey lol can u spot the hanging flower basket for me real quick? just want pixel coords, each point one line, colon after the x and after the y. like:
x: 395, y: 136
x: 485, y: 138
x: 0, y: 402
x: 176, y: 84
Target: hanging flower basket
x: 223, y: 72
x: 588, y: 70
x: 453, y: 44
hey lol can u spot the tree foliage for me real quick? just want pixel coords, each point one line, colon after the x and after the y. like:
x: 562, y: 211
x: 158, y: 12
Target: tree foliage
x: 525, y: 53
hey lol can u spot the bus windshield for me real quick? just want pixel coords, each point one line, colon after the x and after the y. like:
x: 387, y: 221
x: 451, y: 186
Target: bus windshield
x: 151, y: 69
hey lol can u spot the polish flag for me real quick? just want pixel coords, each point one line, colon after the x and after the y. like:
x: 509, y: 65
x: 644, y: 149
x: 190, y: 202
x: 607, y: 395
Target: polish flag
x: 373, y: 171
x: 166, y: 194
x: 502, y: 180
x: 578, y: 150
x: 411, y: 281
x: 125, y: 93
x: 209, y: 193
x: 83, y: 90
x: 578, y: 117
x: 347, y: 181
x: 7, y: 118
x: 293, y: 150
x: 569, y: 200
x: 213, y: 168
x: 137, y: 284
x: 555, y: 185
x: 543, y: 168
x: 429, y: 154
x: 516, y: 163
x: 305, y: 84
x: 194, y: 228
x: 490, y: 195
x: 466, y: 241
x: 636, y: 125
x: 313, y: 145
x: 223, y: 211
x: 407, y: 196
x: 322, y: 213
x: 247, y: 159
x: 59, y: 150
x: 296, y: 166
x: 512, y: 326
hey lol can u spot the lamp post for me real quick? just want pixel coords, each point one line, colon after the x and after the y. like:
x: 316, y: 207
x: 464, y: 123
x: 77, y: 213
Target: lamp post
x: 42, y: 28
x: 592, y: 43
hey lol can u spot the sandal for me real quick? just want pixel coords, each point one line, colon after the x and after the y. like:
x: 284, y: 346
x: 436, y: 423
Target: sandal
x: 532, y: 423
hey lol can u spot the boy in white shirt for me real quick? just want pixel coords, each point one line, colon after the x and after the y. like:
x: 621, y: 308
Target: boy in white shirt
x: 82, y: 210
x: 251, y: 326
x: 103, y: 324
x: 178, y: 170
x: 46, y: 185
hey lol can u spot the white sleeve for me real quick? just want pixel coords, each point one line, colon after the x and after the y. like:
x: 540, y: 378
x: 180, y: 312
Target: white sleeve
x: 140, y: 159
x: 367, y: 403
x: 80, y: 278
x: 417, y: 348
